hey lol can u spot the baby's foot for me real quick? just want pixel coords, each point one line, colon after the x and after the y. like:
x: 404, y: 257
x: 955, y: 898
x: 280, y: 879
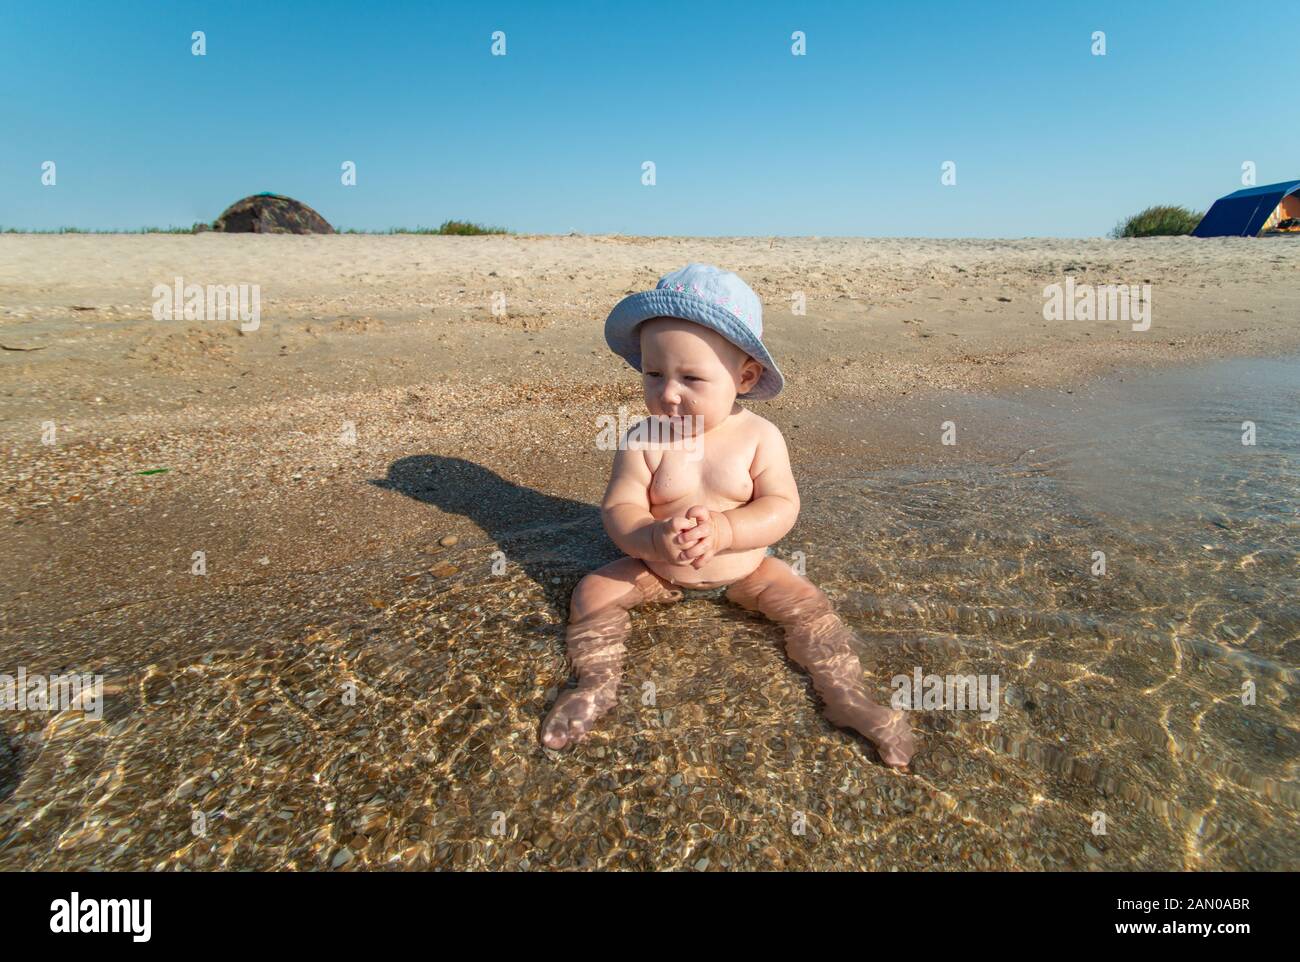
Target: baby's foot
x: 893, y: 739
x: 573, y: 715
x: 887, y: 729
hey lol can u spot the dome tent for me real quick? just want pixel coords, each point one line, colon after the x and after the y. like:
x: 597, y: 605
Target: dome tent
x: 271, y: 214
x: 1247, y: 212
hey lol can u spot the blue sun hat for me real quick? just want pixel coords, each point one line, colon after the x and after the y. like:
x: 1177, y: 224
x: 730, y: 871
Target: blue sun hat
x: 701, y: 293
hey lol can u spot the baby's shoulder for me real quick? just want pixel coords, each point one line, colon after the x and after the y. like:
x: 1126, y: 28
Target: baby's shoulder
x: 769, y: 447
x: 763, y: 430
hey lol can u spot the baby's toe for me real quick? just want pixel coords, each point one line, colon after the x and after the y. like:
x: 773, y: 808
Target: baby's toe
x: 561, y: 731
x: 555, y: 730
x: 898, y: 745
x: 553, y: 738
x: 895, y: 757
x: 577, y: 730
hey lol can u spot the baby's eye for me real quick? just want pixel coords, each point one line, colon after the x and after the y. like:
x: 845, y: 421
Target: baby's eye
x: 692, y: 377
x: 651, y: 373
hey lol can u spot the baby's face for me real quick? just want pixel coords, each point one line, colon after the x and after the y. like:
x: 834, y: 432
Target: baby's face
x: 689, y: 370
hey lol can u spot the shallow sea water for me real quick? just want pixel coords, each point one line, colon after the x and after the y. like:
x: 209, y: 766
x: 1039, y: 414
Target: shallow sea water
x: 387, y: 717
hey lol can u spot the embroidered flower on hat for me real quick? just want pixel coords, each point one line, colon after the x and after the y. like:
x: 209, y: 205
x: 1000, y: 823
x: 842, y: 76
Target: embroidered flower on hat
x: 723, y: 300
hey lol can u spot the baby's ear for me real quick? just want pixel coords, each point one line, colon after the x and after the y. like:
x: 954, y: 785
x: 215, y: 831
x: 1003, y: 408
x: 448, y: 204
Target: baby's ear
x: 750, y: 372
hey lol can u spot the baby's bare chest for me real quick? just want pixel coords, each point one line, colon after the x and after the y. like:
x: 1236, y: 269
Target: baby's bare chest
x: 717, y: 478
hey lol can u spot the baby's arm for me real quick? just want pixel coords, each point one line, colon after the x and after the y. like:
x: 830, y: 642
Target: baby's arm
x: 773, y: 507
x: 625, y: 511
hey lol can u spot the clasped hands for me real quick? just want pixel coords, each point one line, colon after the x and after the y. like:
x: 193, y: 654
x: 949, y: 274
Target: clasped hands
x: 693, y: 538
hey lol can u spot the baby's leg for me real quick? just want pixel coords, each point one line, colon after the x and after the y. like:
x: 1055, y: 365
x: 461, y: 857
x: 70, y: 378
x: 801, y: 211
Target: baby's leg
x: 816, y: 639
x: 598, y: 623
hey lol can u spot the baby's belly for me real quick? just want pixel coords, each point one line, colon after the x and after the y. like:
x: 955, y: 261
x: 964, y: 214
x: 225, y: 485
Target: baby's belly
x: 722, y: 570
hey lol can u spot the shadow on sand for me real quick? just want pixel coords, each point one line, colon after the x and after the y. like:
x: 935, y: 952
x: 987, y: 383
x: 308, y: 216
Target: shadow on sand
x: 548, y: 537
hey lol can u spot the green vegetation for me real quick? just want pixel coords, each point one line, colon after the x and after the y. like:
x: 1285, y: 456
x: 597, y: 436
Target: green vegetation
x: 1158, y: 222
x: 465, y: 227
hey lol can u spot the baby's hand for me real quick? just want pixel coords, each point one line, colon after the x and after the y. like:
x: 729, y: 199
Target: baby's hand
x: 667, y: 546
x: 711, y: 534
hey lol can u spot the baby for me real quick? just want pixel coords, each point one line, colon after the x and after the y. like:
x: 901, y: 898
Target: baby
x: 697, y: 512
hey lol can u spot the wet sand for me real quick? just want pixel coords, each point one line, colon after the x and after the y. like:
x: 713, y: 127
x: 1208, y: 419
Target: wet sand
x: 325, y: 572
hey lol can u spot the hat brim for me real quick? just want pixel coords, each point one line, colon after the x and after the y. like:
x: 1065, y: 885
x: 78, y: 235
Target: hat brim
x: 628, y: 314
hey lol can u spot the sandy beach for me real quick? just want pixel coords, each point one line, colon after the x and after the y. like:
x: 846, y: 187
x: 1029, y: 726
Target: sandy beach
x: 290, y: 457
x: 396, y: 336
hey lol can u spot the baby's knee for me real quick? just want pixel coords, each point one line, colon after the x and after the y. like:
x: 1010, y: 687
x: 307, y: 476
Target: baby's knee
x: 597, y: 592
x: 776, y: 591
x: 586, y: 598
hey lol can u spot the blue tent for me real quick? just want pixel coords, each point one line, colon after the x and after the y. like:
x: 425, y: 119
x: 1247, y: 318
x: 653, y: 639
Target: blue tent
x: 1243, y: 214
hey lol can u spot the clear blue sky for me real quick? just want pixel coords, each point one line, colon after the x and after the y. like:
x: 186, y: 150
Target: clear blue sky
x: 747, y: 139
